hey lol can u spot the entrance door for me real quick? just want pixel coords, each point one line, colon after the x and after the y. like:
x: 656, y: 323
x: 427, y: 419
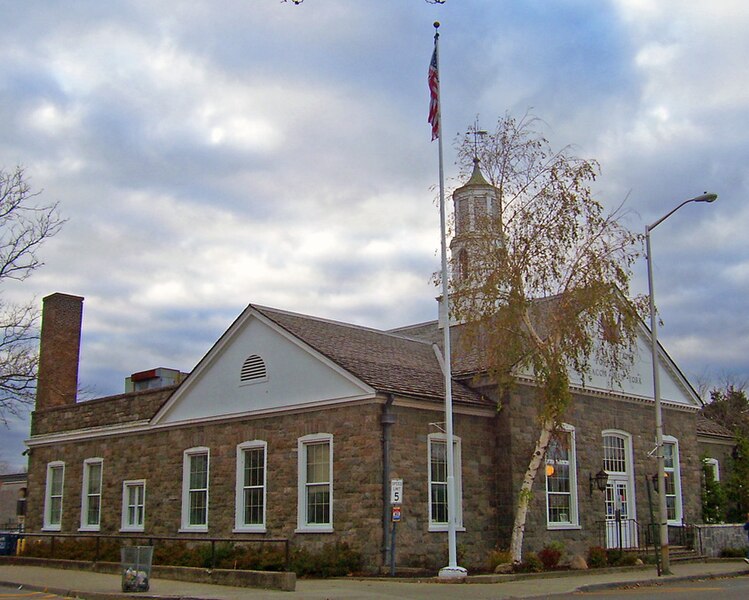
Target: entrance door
x: 620, y: 530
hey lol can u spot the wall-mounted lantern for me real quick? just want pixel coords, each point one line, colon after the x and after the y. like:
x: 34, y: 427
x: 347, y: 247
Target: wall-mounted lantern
x: 601, y: 479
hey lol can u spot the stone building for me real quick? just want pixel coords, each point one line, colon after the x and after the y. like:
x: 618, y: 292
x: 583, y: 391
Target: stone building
x: 294, y: 426
x: 12, y: 500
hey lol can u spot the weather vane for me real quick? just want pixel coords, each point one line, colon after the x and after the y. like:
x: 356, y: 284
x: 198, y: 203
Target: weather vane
x: 477, y: 133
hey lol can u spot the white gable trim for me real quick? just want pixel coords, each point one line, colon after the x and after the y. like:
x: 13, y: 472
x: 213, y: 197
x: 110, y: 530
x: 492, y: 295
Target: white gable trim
x: 208, y: 360
x: 671, y: 367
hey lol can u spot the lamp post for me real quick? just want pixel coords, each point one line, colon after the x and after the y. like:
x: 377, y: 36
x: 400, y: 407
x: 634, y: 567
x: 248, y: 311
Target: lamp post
x: 662, y: 510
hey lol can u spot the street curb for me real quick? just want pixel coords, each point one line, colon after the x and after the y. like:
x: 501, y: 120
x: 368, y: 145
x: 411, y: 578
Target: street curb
x: 596, y: 587
x: 68, y: 593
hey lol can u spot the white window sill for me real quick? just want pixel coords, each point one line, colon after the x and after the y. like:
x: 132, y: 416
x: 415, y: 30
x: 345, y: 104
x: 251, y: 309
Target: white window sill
x: 256, y: 529
x: 52, y: 528
x: 132, y: 529
x: 443, y: 528
x: 562, y: 526
x: 328, y: 529
x: 89, y: 528
x: 193, y: 530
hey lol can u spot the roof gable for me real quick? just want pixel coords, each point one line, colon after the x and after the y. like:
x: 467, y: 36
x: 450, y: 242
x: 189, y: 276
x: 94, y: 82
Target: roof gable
x: 295, y: 375
x: 675, y: 388
x: 387, y: 361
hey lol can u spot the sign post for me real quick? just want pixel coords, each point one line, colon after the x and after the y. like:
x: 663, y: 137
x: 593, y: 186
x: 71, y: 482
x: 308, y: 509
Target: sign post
x: 396, y: 499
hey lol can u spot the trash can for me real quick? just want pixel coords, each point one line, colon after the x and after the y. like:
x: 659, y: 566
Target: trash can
x: 136, y: 568
x: 8, y: 543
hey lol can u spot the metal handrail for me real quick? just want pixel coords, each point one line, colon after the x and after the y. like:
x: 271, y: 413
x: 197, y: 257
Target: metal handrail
x: 151, y: 538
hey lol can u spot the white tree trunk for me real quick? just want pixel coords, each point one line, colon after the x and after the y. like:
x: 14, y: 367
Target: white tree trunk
x: 524, y: 497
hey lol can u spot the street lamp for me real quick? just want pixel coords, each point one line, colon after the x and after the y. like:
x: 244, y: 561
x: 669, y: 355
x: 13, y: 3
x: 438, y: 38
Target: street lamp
x: 662, y: 511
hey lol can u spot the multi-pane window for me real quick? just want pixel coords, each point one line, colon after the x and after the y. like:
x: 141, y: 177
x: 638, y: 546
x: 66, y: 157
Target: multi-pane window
x: 133, y: 505
x: 438, y: 482
x: 195, y: 489
x: 53, y: 495
x: 614, y: 456
x: 251, y: 481
x: 561, y: 480
x: 673, y: 483
x: 91, y: 494
x: 438, y: 503
x: 315, y: 483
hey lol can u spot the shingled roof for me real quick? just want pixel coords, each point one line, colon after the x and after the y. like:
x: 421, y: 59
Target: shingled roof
x: 389, y: 362
x: 707, y: 426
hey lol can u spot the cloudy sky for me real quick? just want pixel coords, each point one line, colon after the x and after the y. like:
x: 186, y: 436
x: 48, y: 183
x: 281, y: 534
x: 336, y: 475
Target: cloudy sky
x: 208, y: 154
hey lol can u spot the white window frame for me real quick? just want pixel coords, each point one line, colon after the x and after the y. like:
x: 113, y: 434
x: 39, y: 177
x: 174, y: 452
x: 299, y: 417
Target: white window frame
x: 126, y: 487
x: 441, y: 438
x: 629, y: 462
x: 574, y: 520
x: 187, y: 457
x: 715, y: 466
x: 86, y: 494
x: 675, y: 472
x: 48, y: 497
x: 239, y: 522
x: 304, y: 442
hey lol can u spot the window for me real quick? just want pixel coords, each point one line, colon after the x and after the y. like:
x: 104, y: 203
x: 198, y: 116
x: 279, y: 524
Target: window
x: 91, y: 494
x: 614, y: 456
x: 53, y: 495
x: 561, y: 480
x: 673, y: 479
x: 133, y: 505
x: 712, y: 466
x: 438, y: 505
x: 195, y: 489
x: 315, y: 501
x: 250, y: 496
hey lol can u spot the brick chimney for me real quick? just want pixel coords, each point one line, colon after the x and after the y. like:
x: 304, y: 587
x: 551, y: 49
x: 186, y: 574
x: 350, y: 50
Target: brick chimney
x: 59, y: 349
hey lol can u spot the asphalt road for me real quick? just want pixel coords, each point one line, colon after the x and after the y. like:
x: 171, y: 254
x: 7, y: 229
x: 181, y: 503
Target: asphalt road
x: 12, y: 593
x: 734, y: 588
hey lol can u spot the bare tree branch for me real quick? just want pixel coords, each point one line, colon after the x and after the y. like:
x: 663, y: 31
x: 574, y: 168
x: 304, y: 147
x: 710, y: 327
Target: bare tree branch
x: 24, y: 226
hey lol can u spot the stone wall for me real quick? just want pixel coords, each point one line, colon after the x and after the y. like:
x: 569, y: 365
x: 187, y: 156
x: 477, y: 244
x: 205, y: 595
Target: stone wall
x: 112, y: 410
x: 157, y: 457
x: 416, y: 546
x: 712, y: 539
x: 590, y: 415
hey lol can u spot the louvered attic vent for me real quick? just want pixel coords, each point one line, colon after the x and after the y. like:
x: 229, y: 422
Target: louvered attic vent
x: 253, y: 369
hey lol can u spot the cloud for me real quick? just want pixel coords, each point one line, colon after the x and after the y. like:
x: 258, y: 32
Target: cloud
x: 207, y: 158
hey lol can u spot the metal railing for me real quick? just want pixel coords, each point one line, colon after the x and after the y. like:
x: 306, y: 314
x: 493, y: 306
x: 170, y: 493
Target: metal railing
x: 152, y: 540
x: 623, y: 534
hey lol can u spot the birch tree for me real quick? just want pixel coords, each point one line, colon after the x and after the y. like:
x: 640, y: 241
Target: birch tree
x: 545, y: 283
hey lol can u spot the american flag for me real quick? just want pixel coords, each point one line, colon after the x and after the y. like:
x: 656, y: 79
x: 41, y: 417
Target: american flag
x: 434, y: 98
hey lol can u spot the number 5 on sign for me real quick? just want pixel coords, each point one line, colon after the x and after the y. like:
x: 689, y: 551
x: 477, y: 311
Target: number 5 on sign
x: 396, y: 491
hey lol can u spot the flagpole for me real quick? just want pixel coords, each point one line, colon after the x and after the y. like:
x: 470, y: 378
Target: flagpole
x: 452, y: 570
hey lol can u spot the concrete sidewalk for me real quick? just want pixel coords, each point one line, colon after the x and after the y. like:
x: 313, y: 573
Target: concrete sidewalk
x: 101, y: 586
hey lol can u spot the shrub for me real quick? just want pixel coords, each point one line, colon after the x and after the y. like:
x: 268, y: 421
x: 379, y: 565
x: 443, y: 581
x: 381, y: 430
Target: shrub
x: 531, y: 564
x: 498, y: 557
x: 334, y: 560
x: 74, y: 549
x: 617, y: 558
x: 551, y: 554
x: 733, y: 553
x: 597, y: 557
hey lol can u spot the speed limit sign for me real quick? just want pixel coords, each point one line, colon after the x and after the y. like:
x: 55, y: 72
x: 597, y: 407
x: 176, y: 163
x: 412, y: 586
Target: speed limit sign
x: 396, y: 491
